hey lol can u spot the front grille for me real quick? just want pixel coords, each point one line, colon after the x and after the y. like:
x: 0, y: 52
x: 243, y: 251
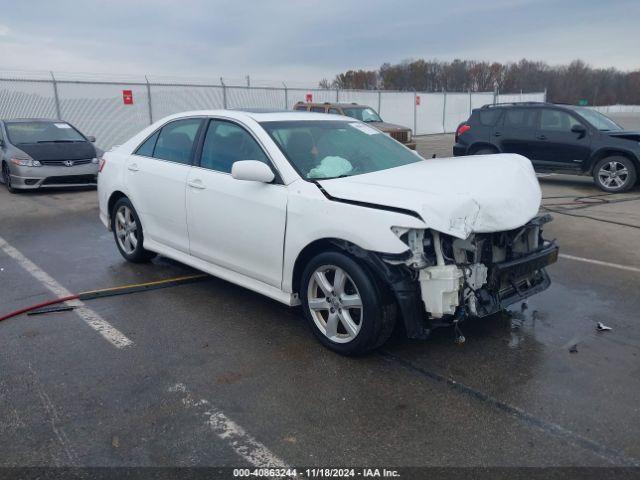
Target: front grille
x: 70, y: 180
x: 60, y: 163
x: 402, y: 137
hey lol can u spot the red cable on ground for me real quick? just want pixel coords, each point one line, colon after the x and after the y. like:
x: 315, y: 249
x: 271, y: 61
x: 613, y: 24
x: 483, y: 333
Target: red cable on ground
x: 39, y: 305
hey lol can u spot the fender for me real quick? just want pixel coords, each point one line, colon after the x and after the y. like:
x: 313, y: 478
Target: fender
x: 607, y: 151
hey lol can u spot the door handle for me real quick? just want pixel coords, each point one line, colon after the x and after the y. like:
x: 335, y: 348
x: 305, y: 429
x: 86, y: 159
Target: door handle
x: 133, y: 167
x: 196, y: 184
x: 541, y: 137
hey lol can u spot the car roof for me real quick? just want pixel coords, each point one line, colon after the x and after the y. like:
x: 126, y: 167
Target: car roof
x: 261, y: 116
x: 332, y: 104
x: 526, y: 105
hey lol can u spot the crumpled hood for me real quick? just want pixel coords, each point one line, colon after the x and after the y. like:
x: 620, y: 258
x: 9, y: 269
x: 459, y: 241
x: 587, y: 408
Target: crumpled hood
x: 457, y: 196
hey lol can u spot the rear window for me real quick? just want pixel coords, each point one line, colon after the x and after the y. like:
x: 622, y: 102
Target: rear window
x: 42, y: 132
x: 489, y: 117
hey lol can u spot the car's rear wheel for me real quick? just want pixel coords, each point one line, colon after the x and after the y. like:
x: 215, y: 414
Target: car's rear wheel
x: 127, y: 231
x: 6, y: 178
x: 615, y: 174
x: 485, y: 151
x: 344, y: 304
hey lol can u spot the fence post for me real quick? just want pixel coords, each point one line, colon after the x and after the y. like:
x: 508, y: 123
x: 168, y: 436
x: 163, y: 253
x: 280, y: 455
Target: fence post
x: 495, y: 95
x: 337, y: 95
x: 224, y: 94
x: 470, y: 103
x: 444, y: 110
x: 415, y: 112
x: 56, y: 99
x: 545, y: 96
x: 379, y: 101
x: 286, y: 97
x: 149, y: 100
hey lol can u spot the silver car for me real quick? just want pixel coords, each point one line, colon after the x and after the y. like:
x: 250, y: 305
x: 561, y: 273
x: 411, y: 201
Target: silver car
x: 41, y: 153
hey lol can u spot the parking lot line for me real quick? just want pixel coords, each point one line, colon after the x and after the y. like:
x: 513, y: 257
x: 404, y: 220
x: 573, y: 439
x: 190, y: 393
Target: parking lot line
x: 91, y: 318
x: 226, y: 429
x: 600, y: 262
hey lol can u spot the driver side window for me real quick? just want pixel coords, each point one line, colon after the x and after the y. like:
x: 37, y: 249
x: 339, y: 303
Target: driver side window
x: 226, y: 143
x: 557, y: 121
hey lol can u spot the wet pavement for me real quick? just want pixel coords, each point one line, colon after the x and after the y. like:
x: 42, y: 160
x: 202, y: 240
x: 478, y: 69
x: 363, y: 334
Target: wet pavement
x: 513, y: 394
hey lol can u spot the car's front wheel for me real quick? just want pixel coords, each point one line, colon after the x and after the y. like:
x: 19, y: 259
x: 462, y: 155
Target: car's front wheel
x: 6, y: 178
x: 615, y: 174
x: 127, y: 231
x: 344, y: 304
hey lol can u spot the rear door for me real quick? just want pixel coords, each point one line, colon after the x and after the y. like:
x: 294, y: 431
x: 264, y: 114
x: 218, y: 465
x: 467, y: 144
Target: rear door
x: 156, y: 178
x: 555, y: 145
x: 516, y: 130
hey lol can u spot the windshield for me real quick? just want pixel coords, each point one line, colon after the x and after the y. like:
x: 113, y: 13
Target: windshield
x: 331, y: 149
x: 597, y: 119
x: 42, y: 132
x: 363, y: 114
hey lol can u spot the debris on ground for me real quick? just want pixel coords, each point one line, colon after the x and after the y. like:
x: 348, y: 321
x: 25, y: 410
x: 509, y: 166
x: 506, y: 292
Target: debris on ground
x: 601, y: 327
x: 574, y: 348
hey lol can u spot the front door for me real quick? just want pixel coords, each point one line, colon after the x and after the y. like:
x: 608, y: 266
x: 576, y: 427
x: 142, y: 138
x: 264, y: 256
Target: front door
x: 556, y: 145
x: 235, y: 224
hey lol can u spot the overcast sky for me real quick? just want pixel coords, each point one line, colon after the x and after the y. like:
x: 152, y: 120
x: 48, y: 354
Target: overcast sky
x: 304, y: 41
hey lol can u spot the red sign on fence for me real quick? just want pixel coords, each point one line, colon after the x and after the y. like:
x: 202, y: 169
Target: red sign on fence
x: 418, y: 100
x: 309, y: 97
x: 127, y: 97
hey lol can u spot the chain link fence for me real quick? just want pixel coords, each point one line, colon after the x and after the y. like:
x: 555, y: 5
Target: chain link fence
x: 115, y: 109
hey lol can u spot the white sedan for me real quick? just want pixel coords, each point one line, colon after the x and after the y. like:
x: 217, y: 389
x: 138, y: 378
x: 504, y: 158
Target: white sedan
x: 331, y: 213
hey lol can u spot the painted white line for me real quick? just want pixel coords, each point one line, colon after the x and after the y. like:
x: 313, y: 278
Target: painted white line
x: 600, y: 262
x: 91, y: 318
x: 54, y: 420
x: 233, y: 434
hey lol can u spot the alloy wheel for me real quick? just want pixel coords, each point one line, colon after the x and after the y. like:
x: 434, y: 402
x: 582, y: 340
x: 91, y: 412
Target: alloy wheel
x: 335, y: 303
x: 613, y: 174
x: 126, y: 229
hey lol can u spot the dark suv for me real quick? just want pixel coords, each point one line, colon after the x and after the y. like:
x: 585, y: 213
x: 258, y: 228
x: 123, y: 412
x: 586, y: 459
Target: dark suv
x: 556, y: 138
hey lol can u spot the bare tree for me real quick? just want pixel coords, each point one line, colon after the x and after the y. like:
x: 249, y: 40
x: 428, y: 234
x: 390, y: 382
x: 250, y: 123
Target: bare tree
x: 573, y: 83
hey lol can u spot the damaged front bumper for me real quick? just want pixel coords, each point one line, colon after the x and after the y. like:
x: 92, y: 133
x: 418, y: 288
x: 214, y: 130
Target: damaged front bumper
x: 442, y: 279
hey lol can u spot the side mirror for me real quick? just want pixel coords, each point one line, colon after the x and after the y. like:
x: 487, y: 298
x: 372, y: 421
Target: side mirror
x: 91, y: 138
x: 252, y: 170
x: 578, y: 128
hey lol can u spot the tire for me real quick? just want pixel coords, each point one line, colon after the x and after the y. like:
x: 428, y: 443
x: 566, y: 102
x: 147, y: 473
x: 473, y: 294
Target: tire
x: 128, y: 233
x: 485, y: 151
x: 615, y: 174
x: 353, y: 330
x: 6, y: 178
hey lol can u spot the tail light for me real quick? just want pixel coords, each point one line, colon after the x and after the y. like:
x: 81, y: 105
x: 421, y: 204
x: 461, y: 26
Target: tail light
x: 461, y: 129
x: 101, y: 164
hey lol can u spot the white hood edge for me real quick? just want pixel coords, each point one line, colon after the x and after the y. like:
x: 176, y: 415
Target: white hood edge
x: 456, y: 196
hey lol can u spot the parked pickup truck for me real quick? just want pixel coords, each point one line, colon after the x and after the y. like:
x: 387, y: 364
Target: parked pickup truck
x: 364, y: 114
